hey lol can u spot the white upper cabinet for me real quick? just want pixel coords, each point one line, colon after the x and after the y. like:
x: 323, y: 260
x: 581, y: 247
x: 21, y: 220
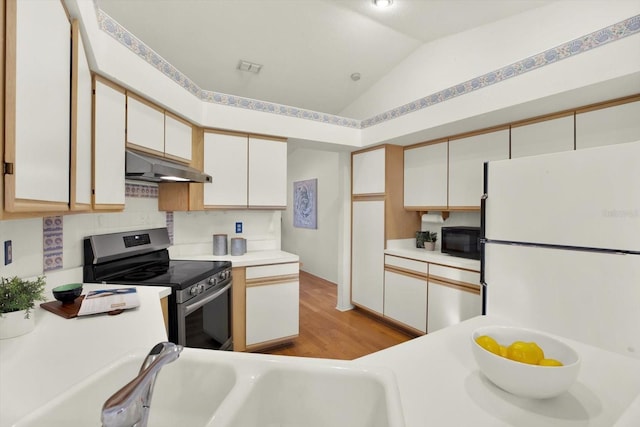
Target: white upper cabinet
x: 608, y: 126
x: 145, y: 125
x: 549, y: 136
x: 38, y: 79
x: 267, y: 173
x: 177, y: 138
x: 425, y: 176
x: 109, y: 146
x: 466, y: 166
x: 81, y: 133
x: 369, y: 172
x: 225, y: 159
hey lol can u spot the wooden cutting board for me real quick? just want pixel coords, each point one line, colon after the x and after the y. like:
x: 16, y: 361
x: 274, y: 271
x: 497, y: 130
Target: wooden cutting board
x: 68, y: 311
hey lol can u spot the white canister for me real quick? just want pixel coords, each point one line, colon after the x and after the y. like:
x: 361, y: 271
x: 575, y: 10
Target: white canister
x: 219, y: 244
x: 238, y: 246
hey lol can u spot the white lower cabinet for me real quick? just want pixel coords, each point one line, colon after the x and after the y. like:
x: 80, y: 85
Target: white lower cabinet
x: 272, y: 303
x: 454, y: 296
x: 405, y: 299
x: 367, y: 255
x: 449, y: 305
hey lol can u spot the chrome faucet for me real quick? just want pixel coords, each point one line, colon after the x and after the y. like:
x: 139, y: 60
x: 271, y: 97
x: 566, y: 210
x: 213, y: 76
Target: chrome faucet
x: 129, y: 406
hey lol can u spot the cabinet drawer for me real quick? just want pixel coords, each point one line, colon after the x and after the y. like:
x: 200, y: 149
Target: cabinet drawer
x: 454, y: 274
x: 262, y: 271
x: 406, y: 264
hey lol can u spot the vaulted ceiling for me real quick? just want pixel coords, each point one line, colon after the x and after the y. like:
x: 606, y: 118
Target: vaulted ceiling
x: 308, y: 49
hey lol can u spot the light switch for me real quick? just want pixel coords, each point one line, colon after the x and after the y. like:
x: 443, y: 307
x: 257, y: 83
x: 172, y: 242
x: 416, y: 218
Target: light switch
x: 238, y: 227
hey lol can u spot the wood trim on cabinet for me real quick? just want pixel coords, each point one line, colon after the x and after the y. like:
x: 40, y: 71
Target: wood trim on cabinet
x: 269, y: 344
x: 464, y: 208
x: 9, y: 90
x: 405, y: 272
x: 454, y: 284
x: 2, y: 104
x: 144, y: 101
x: 402, y: 326
x: 479, y: 132
x: 271, y: 208
x: 607, y: 104
x: 399, y: 223
x: 372, y: 197
x: 424, y: 144
x: 239, y: 308
x: 271, y: 280
x: 107, y: 82
x: 164, y: 306
x: 426, y: 208
x: 227, y: 207
x: 541, y: 119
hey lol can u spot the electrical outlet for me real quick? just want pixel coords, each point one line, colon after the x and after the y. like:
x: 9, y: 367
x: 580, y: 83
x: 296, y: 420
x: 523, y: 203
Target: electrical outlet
x: 238, y: 227
x: 8, y: 252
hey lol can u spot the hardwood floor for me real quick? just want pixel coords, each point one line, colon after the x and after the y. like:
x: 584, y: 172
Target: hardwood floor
x: 326, y: 332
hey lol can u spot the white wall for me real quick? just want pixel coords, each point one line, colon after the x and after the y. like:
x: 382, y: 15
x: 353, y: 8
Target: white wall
x: 260, y: 228
x: 318, y: 249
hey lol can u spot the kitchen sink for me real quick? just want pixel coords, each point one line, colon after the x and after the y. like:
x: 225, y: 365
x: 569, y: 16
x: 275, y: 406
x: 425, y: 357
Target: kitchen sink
x: 318, y: 396
x: 206, y: 388
x: 187, y: 393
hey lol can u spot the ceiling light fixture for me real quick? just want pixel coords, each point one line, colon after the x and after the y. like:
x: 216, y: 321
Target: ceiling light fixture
x: 382, y: 3
x: 251, y: 67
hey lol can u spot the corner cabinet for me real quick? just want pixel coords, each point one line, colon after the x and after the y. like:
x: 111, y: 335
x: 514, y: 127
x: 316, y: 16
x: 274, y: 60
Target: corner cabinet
x: 377, y: 216
x: 109, y: 110
x: 37, y: 114
x: 247, y: 171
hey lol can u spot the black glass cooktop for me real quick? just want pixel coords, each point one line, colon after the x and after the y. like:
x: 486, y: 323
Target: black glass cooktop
x: 175, y: 273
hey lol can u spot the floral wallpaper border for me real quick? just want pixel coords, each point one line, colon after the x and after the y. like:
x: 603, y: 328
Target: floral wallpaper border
x: 571, y: 48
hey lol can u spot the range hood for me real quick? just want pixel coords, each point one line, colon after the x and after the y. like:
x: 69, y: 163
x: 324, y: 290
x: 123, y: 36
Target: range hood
x: 142, y: 167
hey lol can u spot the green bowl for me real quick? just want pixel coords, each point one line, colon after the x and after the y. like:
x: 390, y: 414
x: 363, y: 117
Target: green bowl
x: 67, y: 293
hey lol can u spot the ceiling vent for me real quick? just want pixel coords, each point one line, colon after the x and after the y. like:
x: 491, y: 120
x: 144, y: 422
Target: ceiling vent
x: 251, y: 67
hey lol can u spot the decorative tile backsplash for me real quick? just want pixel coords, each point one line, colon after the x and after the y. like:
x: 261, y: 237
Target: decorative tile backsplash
x: 53, y: 228
x: 571, y: 48
x: 52, y: 243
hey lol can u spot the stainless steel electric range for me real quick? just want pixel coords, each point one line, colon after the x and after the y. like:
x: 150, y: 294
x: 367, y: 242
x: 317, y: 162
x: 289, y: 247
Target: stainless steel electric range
x: 200, y: 301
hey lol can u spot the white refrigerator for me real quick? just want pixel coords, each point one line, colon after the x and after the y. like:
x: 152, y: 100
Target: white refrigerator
x: 561, y: 244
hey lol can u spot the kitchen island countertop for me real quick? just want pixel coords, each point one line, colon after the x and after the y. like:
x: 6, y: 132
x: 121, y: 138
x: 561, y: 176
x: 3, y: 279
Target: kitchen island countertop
x: 440, y: 385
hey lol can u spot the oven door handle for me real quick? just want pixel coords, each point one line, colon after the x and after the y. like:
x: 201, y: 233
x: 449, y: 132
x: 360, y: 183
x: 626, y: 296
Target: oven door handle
x: 196, y: 305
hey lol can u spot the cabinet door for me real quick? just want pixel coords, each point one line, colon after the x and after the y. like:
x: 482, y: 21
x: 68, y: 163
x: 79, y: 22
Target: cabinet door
x: 177, y: 138
x: 267, y: 173
x: 367, y: 254
x: 225, y: 159
x: 405, y: 299
x: 80, y: 126
x: 425, y: 176
x: 272, y: 312
x: 549, y: 136
x: 466, y: 166
x: 448, y: 305
x: 108, y: 146
x: 145, y: 126
x: 368, y: 172
x: 38, y: 74
x: 608, y: 126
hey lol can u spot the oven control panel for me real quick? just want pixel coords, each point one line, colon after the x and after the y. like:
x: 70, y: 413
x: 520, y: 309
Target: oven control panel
x: 203, y: 286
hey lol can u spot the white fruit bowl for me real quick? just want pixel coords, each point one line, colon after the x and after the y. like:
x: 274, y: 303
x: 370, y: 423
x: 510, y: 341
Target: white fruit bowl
x: 521, y: 379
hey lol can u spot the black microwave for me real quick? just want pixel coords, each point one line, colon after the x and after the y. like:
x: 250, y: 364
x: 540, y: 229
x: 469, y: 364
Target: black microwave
x: 461, y: 241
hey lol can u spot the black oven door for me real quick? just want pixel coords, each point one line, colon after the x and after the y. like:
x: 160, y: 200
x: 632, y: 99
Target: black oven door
x: 205, y: 321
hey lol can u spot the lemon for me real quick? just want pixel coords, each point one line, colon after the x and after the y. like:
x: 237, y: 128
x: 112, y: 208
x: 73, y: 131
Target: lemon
x: 525, y: 352
x: 550, y: 362
x: 489, y: 344
x: 503, y: 350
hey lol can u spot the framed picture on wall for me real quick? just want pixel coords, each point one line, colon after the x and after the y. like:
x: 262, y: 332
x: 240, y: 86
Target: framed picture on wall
x: 305, y: 204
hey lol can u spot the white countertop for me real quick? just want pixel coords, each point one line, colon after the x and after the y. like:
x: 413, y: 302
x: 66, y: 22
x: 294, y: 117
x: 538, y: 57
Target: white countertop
x: 434, y: 257
x: 59, y: 352
x: 247, y: 260
x: 440, y: 385
x: 437, y: 377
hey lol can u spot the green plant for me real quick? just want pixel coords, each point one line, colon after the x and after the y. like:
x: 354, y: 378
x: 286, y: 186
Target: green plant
x: 431, y: 237
x: 17, y: 294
